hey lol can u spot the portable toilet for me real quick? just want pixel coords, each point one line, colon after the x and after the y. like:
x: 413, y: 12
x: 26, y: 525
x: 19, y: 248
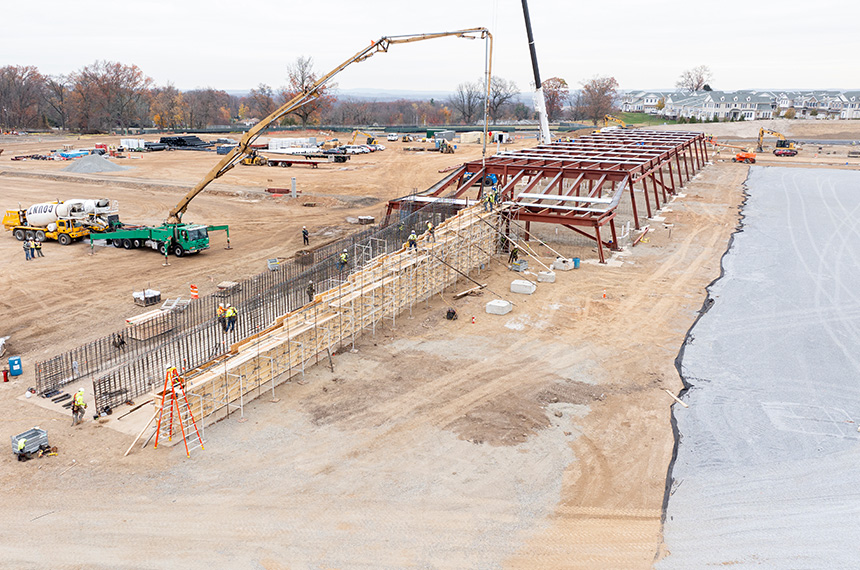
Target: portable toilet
x: 15, y: 366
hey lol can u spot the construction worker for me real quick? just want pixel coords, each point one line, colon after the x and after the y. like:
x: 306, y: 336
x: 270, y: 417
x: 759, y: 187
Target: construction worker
x: 221, y: 314
x: 27, y: 252
x: 231, y: 314
x: 344, y: 260
x: 78, y: 407
x: 432, y: 231
x: 311, y: 292
x: 37, y: 248
x: 413, y: 240
x: 485, y: 199
x: 22, y: 444
x: 491, y: 198
x: 305, y: 236
x: 515, y: 253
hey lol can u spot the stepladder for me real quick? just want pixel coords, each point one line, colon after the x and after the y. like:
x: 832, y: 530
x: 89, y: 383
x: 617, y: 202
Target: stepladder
x: 174, y: 414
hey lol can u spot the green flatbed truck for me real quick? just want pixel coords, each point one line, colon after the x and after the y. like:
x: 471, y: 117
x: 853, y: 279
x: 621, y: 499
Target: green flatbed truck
x: 179, y: 239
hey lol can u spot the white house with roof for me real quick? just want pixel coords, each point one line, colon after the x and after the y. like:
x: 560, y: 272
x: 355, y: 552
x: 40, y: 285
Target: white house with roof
x: 850, y: 105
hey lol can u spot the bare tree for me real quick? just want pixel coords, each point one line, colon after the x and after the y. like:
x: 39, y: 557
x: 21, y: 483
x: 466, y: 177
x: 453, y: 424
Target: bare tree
x: 695, y: 79
x: 577, y: 106
x: 21, y: 90
x: 106, y: 95
x: 467, y: 101
x: 599, y: 97
x: 56, y: 94
x: 501, y: 92
x: 302, y: 77
x: 555, y: 94
x: 262, y: 101
x: 207, y: 107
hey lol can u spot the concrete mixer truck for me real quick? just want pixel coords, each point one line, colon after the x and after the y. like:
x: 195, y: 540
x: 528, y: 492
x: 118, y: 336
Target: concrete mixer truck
x: 62, y: 221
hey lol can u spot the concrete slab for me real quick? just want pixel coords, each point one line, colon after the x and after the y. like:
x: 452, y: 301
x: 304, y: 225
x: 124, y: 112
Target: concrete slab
x: 546, y: 277
x: 522, y: 286
x: 499, y: 307
x: 562, y: 264
x: 766, y: 471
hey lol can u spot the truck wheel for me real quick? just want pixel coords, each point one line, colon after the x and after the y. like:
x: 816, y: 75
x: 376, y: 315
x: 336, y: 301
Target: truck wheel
x: 19, y: 234
x: 752, y: 161
x: 734, y: 160
x: 117, y: 243
x: 161, y: 249
x: 135, y: 243
x: 40, y: 235
x: 285, y: 164
x: 178, y: 251
x: 64, y: 239
x: 30, y: 234
x: 126, y: 244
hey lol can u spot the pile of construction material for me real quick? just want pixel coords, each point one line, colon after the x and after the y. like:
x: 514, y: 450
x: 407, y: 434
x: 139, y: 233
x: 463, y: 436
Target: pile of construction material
x: 94, y: 164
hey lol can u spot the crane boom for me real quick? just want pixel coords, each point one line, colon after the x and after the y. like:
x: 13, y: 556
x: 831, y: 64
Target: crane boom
x: 244, y: 147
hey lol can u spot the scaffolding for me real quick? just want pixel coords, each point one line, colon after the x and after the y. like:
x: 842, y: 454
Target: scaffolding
x: 387, y: 285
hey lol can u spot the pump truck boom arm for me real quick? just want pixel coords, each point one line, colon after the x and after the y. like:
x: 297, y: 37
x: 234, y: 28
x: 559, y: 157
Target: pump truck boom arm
x: 244, y: 147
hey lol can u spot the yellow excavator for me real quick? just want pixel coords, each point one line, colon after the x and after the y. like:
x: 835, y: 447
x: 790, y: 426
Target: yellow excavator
x: 609, y: 119
x: 255, y: 159
x: 781, y: 141
x: 370, y: 138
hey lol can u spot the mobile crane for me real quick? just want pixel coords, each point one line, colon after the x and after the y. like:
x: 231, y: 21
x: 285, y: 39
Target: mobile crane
x: 781, y: 141
x: 180, y: 238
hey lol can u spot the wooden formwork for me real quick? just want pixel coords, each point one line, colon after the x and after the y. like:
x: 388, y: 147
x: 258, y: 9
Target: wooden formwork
x: 382, y: 289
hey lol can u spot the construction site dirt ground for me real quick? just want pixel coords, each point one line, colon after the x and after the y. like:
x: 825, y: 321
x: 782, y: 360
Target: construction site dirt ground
x: 540, y: 439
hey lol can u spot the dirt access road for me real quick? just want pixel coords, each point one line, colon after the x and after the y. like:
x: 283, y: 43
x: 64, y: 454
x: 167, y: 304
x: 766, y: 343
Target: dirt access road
x: 536, y: 440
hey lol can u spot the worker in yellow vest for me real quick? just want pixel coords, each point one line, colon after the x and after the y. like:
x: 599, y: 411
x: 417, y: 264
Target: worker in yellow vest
x: 344, y: 260
x: 22, y: 444
x: 231, y: 315
x: 37, y: 248
x: 412, y: 241
x: 78, y: 407
x: 431, y: 231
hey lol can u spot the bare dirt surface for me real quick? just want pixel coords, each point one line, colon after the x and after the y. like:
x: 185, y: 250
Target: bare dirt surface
x: 540, y: 439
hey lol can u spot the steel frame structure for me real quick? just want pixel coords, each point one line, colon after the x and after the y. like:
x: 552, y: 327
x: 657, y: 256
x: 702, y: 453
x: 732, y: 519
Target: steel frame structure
x: 579, y: 184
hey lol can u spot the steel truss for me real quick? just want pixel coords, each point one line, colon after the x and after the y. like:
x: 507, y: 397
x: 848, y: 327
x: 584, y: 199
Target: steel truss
x: 579, y: 184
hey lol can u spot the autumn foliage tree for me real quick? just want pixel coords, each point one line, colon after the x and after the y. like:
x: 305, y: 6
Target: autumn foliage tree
x: 599, y: 98
x: 555, y: 94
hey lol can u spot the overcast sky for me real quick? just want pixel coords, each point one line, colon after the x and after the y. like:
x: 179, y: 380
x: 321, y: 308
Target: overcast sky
x: 643, y: 44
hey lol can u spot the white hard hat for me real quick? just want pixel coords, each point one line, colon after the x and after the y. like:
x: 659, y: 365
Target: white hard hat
x: 221, y: 305
x: 344, y: 251
x: 81, y: 390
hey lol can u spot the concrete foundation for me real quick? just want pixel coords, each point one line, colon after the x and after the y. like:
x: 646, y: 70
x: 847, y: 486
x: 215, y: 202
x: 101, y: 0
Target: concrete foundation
x: 546, y: 277
x: 522, y: 286
x: 562, y: 264
x: 499, y: 307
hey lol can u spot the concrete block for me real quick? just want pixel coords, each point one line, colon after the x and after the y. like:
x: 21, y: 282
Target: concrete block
x: 499, y: 307
x: 546, y: 277
x: 562, y: 264
x: 522, y: 286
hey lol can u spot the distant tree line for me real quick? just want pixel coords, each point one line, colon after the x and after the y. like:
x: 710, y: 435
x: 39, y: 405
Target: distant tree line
x: 110, y: 96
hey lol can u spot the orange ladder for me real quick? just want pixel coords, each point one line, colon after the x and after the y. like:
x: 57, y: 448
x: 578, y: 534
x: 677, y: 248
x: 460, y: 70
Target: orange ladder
x: 174, y: 399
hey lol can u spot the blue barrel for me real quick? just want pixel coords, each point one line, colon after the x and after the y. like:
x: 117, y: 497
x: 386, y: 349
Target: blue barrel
x: 576, y: 263
x: 15, y: 366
